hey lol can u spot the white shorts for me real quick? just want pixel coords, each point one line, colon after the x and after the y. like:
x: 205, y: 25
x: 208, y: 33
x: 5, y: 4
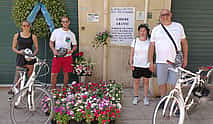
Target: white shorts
x: 166, y: 74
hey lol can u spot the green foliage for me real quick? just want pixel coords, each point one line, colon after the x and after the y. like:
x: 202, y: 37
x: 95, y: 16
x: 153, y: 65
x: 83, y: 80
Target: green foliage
x: 62, y: 118
x: 101, y: 39
x: 22, y: 8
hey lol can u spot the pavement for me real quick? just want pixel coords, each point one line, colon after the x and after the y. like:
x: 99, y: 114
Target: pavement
x: 132, y: 114
x: 4, y: 107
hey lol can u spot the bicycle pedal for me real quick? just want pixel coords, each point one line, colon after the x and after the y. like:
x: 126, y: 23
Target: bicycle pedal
x: 10, y: 98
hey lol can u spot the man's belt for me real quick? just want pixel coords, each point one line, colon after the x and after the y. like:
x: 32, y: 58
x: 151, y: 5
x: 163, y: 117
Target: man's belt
x: 63, y: 56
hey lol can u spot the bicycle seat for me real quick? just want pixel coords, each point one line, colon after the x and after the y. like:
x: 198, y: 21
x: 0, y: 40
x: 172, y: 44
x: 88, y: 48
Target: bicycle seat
x: 22, y: 69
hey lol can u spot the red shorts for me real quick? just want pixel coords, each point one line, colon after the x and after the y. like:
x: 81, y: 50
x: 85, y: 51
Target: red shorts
x: 65, y: 62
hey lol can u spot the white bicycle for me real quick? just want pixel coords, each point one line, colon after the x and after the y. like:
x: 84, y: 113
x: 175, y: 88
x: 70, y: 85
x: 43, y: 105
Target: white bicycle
x: 26, y: 107
x: 171, y: 109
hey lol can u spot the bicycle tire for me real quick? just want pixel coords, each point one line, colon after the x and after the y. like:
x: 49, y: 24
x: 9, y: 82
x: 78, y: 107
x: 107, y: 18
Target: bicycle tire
x: 210, y: 77
x: 21, y: 114
x: 169, y: 117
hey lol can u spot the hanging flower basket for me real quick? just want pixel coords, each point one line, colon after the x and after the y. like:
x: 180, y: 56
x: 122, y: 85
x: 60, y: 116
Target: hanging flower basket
x: 101, y: 39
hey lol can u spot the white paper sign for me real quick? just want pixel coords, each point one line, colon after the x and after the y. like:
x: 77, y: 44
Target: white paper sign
x: 140, y: 15
x: 92, y: 17
x: 122, y: 25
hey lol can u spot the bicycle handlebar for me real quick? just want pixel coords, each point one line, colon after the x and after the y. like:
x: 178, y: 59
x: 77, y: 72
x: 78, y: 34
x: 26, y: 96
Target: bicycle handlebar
x: 182, y: 69
x: 41, y: 63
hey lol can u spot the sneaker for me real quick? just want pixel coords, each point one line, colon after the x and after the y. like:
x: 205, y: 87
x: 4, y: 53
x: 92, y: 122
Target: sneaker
x: 146, y: 101
x: 135, y: 100
x: 10, y: 95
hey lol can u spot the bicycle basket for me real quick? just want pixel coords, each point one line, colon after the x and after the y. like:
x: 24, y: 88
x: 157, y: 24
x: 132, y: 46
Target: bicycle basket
x: 201, y: 91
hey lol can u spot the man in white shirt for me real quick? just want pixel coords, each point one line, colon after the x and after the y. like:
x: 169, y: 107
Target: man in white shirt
x: 62, y: 38
x: 165, y: 49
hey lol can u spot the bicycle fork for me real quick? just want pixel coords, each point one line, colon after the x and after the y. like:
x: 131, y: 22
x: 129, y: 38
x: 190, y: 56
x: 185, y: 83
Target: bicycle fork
x: 30, y: 99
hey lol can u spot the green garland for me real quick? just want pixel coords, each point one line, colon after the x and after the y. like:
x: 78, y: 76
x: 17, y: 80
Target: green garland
x: 22, y: 8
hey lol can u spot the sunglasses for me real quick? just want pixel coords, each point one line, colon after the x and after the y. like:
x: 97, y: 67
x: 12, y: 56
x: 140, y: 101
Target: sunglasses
x: 166, y: 14
x: 64, y: 21
x: 26, y: 25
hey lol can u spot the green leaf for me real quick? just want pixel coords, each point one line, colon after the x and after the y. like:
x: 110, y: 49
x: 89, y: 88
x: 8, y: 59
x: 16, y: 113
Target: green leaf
x: 22, y: 8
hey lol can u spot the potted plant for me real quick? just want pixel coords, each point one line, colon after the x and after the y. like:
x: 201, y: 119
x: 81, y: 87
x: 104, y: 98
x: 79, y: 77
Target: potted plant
x: 82, y: 67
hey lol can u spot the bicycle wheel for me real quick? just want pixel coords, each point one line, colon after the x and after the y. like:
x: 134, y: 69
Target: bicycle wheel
x: 210, y: 76
x: 168, y: 111
x: 20, y: 113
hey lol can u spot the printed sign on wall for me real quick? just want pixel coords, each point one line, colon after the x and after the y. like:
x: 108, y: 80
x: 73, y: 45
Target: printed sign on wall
x: 92, y: 17
x: 122, y: 25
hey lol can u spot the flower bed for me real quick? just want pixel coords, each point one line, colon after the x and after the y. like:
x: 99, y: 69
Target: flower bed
x: 98, y: 102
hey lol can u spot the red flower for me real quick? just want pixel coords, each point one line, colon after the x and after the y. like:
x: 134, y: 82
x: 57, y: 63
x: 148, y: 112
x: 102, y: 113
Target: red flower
x: 104, y: 121
x: 84, y: 96
x: 81, y: 53
x: 118, y: 111
x: 87, y: 107
x: 209, y: 67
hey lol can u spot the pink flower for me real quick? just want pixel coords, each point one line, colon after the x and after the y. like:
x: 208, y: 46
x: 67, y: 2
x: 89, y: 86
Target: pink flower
x: 58, y: 102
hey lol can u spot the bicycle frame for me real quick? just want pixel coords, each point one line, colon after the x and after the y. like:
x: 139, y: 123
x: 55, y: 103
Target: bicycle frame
x: 177, y: 91
x: 21, y: 81
x: 30, y: 83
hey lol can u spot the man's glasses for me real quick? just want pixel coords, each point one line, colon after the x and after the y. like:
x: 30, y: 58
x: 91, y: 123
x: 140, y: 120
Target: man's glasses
x: 165, y: 14
x: 26, y: 25
x: 64, y: 21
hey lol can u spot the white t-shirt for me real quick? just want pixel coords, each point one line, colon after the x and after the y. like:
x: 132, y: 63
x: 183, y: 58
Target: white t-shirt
x: 63, y: 39
x: 164, y: 48
x: 141, y: 49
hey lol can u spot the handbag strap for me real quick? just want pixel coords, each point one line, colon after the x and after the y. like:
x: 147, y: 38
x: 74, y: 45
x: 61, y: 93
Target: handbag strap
x: 170, y: 37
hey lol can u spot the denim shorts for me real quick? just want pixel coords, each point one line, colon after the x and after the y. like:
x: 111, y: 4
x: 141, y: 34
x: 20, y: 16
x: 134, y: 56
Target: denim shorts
x: 166, y: 74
